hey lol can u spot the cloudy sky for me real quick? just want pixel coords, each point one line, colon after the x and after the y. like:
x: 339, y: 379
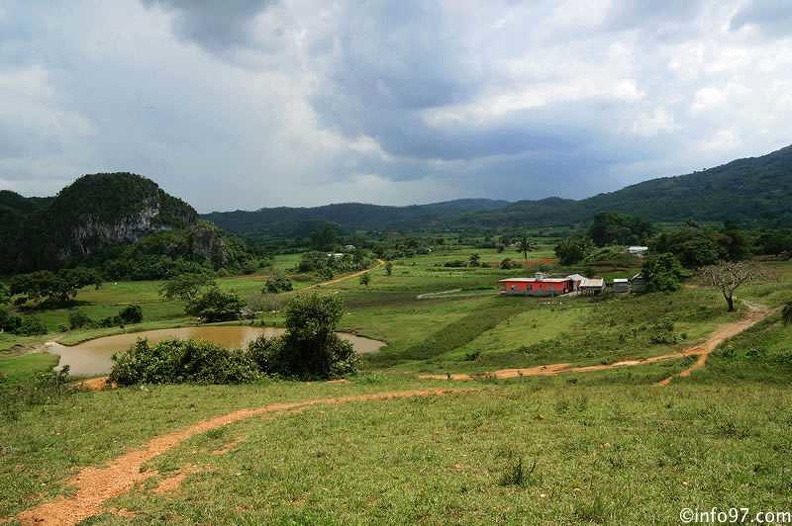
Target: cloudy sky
x: 242, y: 104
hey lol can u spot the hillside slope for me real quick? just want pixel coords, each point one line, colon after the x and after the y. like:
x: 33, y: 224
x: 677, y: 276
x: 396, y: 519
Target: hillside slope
x: 297, y: 222
x: 755, y: 190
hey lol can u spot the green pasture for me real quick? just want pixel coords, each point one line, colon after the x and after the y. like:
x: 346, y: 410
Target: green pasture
x: 607, y: 447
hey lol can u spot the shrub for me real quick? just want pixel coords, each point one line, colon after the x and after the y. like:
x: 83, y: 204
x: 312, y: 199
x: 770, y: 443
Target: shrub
x: 216, y: 305
x: 131, y: 314
x: 277, y: 284
x: 9, y: 322
x: 310, y: 349
x: 182, y: 361
x: 31, y: 326
x: 78, y: 319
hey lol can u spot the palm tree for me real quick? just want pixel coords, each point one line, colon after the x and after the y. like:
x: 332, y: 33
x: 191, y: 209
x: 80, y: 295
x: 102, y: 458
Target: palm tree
x: 786, y: 314
x: 525, y: 245
x: 474, y: 260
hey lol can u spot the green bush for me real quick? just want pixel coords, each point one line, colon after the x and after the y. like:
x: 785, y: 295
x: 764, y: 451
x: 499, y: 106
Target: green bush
x: 78, y: 319
x: 277, y: 284
x: 182, y: 361
x: 310, y: 349
x: 31, y: 326
x: 216, y: 305
x: 130, y: 314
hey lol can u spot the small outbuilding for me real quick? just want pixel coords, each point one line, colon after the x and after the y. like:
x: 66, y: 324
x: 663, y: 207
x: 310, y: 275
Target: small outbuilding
x: 638, y: 283
x: 621, y: 285
x: 576, y: 279
x: 638, y: 250
x: 592, y: 286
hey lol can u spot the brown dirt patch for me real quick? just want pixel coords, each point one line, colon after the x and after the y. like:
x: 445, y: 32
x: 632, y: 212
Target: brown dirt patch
x: 95, y: 384
x: 96, y: 485
x: 174, y: 482
x: 226, y: 448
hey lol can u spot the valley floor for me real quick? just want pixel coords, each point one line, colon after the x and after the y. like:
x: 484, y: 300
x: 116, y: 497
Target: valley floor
x: 613, y: 445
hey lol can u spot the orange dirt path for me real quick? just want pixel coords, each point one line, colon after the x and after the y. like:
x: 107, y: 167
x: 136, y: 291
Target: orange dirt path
x: 379, y: 264
x: 755, y: 314
x: 97, y: 485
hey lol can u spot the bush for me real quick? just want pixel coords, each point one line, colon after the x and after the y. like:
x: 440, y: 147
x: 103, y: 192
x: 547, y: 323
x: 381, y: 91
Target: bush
x: 277, y: 284
x: 78, y: 319
x: 31, y: 326
x: 182, y: 361
x: 9, y: 322
x: 310, y: 349
x: 130, y: 314
x: 216, y: 305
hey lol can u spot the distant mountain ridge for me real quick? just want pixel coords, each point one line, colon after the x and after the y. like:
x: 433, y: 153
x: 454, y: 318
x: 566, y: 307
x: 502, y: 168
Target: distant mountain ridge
x: 286, y: 221
x: 756, y: 190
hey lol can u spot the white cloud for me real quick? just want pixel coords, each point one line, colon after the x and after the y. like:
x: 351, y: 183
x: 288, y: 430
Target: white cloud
x: 259, y: 103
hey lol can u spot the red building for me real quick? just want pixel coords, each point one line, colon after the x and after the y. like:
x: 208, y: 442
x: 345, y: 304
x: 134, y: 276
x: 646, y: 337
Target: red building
x: 538, y: 286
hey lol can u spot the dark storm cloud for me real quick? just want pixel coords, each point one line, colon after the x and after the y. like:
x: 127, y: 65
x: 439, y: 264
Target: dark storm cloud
x: 243, y: 104
x: 772, y: 16
x: 213, y: 24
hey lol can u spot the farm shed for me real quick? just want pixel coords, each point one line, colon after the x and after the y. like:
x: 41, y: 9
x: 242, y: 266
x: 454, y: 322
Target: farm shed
x: 621, y: 285
x: 637, y: 250
x: 638, y: 283
x: 539, y: 286
x: 576, y: 279
x: 592, y: 286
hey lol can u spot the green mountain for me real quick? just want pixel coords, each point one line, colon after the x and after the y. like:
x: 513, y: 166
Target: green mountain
x: 122, y: 221
x: 300, y: 222
x: 755, y: 191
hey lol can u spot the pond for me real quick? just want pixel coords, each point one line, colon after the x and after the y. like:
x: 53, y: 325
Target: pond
x: 93, y: 357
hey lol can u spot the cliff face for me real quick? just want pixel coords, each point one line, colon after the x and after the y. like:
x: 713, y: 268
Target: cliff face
x: 96, y: 213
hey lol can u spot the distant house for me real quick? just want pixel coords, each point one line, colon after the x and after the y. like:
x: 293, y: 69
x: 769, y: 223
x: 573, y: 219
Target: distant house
x: 638, y: 283
x: 335, y: 255
x: 537, y: 286
x: 349, y: 248
x: 592, y: 286
x: 576, y: 279
x: 621, y: 285
x: 638, y: 250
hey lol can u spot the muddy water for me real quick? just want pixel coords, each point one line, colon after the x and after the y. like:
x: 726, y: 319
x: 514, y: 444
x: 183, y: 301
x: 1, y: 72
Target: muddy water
x: 94, y: 356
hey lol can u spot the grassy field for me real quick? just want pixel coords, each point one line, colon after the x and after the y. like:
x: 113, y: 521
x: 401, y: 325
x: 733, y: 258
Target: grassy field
x: 598, y: 448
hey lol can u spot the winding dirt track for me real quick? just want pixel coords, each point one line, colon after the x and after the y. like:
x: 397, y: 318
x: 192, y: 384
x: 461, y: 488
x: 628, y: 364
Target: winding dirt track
x: 379, y: 264
x: 95, y: 486
x: 756, y: 313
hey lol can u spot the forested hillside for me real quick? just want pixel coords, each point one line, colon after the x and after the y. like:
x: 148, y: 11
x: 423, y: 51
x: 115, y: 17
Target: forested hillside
x: 120, y: 221
x: 751, y: 191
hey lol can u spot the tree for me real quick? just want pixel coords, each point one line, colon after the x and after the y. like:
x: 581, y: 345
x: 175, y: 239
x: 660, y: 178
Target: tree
x: 388, y: 268
x: 310, y: 349
x: 573, y: 250
x: 325, y: 237
x: 276, y: 284
x: 728, y: 276
x: 216, y: 305
x: 661, y: 273
x: 475, y: 260
x: 365, y: 279
x: 525, y: 245
x: 786, y: 313
x: 5, y: 294
x: 612, y: 228
x: 56, y: 287
x: 186, y: 286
